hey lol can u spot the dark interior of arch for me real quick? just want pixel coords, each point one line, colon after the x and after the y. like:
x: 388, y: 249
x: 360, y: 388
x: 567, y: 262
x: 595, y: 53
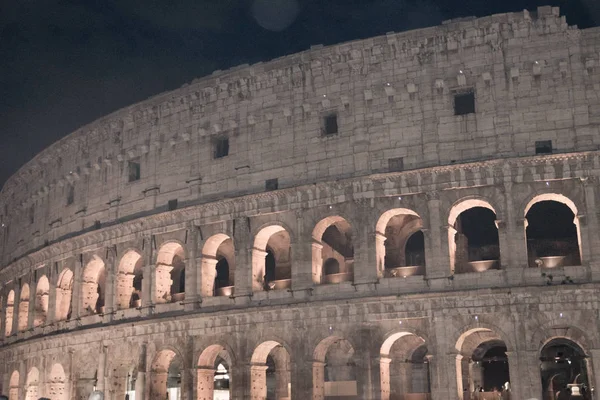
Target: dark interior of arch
x: 222, y: 378
x: 494, y: 363
x: 222, y: 277
x: 339, y: 240
x: 478, y: 225
x: 270, y: 266
x: 415, y: 249
x: 562, y: 363
x: 178, y: 275
x: 552, y: 232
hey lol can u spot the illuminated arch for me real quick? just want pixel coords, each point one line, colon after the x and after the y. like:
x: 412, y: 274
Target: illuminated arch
x: 93, y: 286
x: 10, y: 309
x: 64, y: 292
x: 23, y: 314
x: 42, y: 295
x: 271, y: 259
x: 129, y: 280
x: 218, y: 266
x: 332, y: 239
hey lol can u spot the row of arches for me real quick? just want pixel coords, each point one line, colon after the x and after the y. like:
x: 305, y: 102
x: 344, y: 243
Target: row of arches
x: 552, y: 235
x: 338, y: 370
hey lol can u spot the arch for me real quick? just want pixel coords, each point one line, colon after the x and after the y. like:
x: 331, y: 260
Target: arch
x: 393, y: 231
x: 334, y: 369
x: 31, y: 384
x: 166, y: 371
x: 10, y: 309
x: 271, y: 259
x: 399, y: 378
x: 218, y: 266
x: 170, y: 272
x: 64, y: 292
x: 552, y: 231
x: 473, y: 237
x: 481, y: 360
x: 93, y: 287
x: 129, y: 280
x: 57, y: 383
x: 564, y: 366
x: 42, y: 295
x: 13, y: 390
x: 213, y: 372
x: 332, y: 238
x: 270, y: 371
x: 23, y: 314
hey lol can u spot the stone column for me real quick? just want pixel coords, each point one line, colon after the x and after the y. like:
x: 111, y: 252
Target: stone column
x: 32, y: 303
x: 318, y: 380
x: 243, y: 253
x: 301, y: 379
x: 187, y: 383
x: 301, y: 248
x: 158, y: 385
x: 162, y: 283
x: 258, y: 382
x: 444, y: 377
x: 365, y: 254
x: 240, y: 381
x: 76, y: 291
x: 205, y: 383
x: 208, y: 275
x: 148, y: 277
x: 438, y: 260
x: 514, y: 258
x: 593, y: 242
x: 192, y: 292
x: 100, y: 384
x: 594, y: 374
x: 515, y: 366
x: 317, y: 262
x: 369, y: 378
x: 51, y: 315
x: 504, y: 244
x: 110, y: 303
x: 530, y: 377
x: 140, y: 385
x: 384, y: 371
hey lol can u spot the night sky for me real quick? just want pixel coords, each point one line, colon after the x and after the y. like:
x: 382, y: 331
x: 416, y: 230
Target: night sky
x: 65, y: 63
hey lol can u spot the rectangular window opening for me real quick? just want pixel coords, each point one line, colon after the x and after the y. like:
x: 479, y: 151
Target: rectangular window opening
x: 396, y: 164
x: 70, y: 195
x: 543, y: 147
x: 221, y: 147
x: 330, y: 125
x: 271, y: 184
x: 464, y: 103
x: 134, y: 171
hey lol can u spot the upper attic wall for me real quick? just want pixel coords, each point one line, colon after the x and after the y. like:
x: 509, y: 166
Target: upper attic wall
x: 237, y: 83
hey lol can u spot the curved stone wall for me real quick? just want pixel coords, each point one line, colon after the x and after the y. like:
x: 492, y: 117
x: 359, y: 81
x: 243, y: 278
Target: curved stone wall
x: 399, y: 248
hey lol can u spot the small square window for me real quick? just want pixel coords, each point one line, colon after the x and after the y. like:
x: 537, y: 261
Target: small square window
x: 70, y: 195
x: 396, y: 164
x: 172, y: 205
x: 330, y: 125
x: 464, y: 103
x: 221, y: 147
x: 271, y: 184
x: 543, y: 147
x: 134, y: 171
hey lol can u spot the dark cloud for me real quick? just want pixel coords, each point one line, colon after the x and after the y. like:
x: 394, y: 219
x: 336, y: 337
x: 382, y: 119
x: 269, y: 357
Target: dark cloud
x: 65, y: 63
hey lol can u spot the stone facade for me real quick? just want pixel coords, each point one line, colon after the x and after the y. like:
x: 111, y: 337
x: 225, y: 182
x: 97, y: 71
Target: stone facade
x: 152, y: 247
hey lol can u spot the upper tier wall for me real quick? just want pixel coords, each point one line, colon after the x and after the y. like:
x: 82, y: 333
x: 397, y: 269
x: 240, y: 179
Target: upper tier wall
x: 393, y: 96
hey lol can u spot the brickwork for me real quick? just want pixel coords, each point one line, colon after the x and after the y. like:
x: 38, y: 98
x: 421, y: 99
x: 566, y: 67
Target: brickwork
x: 306, y: 289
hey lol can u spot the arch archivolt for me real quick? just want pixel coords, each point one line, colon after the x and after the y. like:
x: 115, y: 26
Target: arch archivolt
x: 572, y: 201
x: 481, y: 325
x: 463, y: 204
x: 561, y: 328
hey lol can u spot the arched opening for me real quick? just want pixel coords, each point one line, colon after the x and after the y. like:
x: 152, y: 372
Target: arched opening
x: 23, y: 315
x: 218, y: 266
x: 214, y: 374
x: 93, y: 287
x: 332, y: 239
x: 404, y: 368
x: 57, y: 383
x: 270, y: 372
x: 334, y: 369
x: 473, y: 237
x: 129, y: 280
x: 552, y: 230
x: 271, y: 259
x: 564, y: 371
x: 482, y: 365
x: 170, y: 273
x: 31, y: 385
x: 64, y: 291
x: 13, y: 390
x: 10, y: 309
x: 400, y: 243
x: 166, y: 376
x: 42, y: 294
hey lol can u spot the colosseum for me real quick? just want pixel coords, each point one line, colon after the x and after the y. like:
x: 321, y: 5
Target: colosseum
x: 410, y: 217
